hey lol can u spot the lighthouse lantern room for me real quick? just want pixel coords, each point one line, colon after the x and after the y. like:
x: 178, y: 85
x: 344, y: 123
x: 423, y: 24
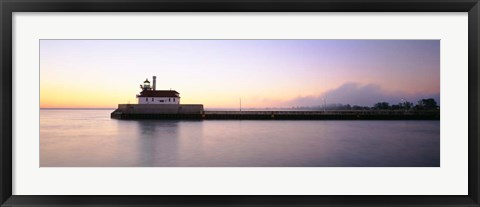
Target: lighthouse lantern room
x: 146, y: 85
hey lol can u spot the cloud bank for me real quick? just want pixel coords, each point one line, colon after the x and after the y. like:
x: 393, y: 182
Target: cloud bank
x: 359, y: 94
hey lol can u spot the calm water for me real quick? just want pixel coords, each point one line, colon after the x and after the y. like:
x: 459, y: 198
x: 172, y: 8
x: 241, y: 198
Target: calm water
x: 77, y: 138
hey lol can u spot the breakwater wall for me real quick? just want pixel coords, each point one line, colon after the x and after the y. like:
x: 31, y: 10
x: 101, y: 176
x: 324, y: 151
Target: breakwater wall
x: 197, y: 114
x: 154, y: 111
x: 322, y: 115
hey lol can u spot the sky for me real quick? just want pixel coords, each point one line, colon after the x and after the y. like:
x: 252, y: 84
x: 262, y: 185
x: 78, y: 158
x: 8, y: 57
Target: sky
x: 218, y: 73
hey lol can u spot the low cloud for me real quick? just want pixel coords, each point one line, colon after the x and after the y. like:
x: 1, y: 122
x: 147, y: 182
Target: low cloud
x: 359, y: 94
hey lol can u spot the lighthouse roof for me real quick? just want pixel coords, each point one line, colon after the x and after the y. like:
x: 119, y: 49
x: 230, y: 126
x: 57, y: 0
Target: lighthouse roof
x: 146, y: 81
x: 160, y: 93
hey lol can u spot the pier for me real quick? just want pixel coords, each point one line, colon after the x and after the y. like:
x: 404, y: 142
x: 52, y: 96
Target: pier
x: 287, y: 115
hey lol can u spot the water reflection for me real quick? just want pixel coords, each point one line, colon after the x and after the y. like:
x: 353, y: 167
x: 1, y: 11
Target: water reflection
x: 91, y: 139
x: 158, y: 142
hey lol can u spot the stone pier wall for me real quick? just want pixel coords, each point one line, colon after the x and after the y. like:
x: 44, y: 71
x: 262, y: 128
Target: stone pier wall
x: 160, y: 108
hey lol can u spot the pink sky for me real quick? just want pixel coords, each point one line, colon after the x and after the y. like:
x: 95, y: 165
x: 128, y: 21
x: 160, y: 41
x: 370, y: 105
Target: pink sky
x: 216, y: 73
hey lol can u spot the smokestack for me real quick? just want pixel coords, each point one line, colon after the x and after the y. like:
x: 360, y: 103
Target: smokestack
x: 154, y: 83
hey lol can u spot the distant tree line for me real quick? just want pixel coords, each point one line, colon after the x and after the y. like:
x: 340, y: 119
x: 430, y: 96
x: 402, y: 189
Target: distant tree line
x: 423, y: 104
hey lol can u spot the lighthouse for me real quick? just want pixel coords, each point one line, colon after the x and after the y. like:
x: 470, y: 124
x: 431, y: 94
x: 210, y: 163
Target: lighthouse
x: 157, y: 104
x: 149, y: 95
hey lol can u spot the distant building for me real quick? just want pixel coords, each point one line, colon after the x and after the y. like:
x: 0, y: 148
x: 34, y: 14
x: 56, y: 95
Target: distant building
x: 149, y: 95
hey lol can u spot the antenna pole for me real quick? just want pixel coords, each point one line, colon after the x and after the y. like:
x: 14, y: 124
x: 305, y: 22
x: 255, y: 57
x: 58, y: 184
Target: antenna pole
x: 240, y: 103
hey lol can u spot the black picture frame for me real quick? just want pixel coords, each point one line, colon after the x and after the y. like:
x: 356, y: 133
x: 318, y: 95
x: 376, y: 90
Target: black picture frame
x: 7, y: 7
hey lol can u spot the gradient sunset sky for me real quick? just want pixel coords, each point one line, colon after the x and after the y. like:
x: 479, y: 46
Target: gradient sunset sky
x: 216, y: 73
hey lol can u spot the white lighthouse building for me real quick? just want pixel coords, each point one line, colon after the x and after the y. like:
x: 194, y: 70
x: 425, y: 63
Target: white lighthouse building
x: 149, y: 95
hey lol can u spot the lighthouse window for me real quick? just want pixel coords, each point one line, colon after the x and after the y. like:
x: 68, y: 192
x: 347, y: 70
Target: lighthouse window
x: 152, y: 99
x: 173, y: 99
x: 146, y: 99
x: 168, y: 99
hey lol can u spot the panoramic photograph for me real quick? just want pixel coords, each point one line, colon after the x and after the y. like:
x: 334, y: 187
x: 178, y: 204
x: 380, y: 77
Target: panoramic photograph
x: 239, y: 103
